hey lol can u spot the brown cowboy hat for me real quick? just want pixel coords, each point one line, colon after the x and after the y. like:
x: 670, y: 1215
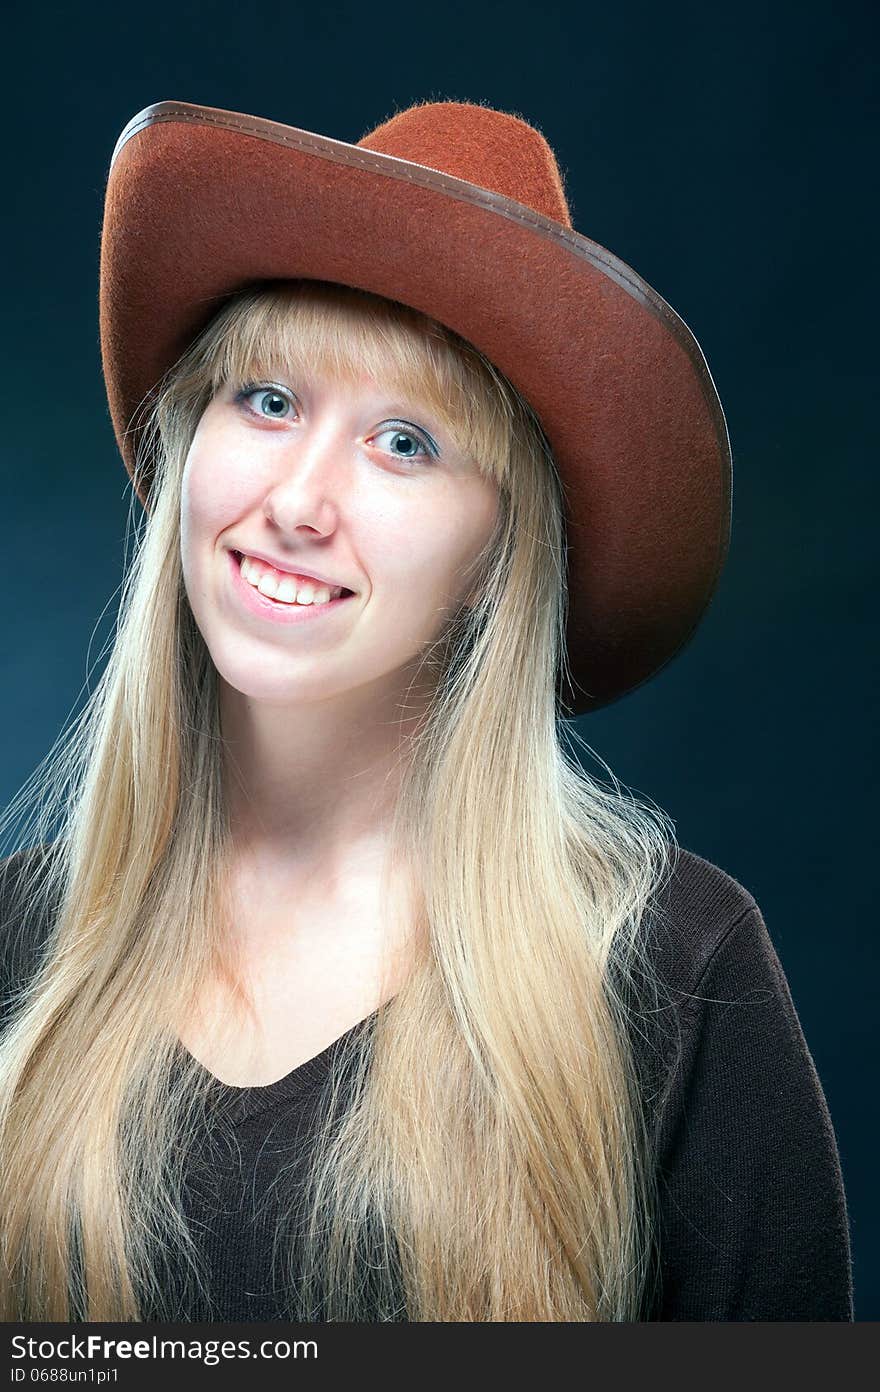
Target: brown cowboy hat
x: 458, y: 210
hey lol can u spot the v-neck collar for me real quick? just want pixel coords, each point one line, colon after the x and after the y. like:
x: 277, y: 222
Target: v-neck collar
x: 240, y: 1103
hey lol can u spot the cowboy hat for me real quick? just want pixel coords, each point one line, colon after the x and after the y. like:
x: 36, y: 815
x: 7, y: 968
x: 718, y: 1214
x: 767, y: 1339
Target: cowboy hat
x: 458, y: 210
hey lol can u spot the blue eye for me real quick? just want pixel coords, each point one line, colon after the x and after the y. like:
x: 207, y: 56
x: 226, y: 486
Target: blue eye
x: 399, y: 430
x: 254, y: 390
x: 414, y: 438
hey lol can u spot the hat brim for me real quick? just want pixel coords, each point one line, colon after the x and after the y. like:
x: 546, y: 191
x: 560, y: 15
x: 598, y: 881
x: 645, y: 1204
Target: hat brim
x: 200, y: 202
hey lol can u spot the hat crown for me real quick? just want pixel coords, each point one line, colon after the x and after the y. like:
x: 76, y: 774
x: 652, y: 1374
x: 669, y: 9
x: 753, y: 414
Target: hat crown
x: 487, y: 147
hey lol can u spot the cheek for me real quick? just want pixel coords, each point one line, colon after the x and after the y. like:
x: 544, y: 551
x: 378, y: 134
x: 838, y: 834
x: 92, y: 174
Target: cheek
x: 465, y: 528
x: 213, y: 490
x: 429, y: 551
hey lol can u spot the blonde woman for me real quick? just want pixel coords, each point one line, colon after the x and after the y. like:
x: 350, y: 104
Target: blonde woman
x: 345, y: 992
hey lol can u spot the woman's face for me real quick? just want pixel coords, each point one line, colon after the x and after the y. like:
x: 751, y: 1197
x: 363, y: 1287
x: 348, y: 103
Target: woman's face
x: 352, y: 484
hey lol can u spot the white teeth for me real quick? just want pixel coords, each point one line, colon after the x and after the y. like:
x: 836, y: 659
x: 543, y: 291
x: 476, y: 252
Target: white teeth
x: 268, y: 584
x: 286, y: 590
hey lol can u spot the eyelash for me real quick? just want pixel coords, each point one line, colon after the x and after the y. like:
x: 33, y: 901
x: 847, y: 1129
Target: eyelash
x: 403, y: 427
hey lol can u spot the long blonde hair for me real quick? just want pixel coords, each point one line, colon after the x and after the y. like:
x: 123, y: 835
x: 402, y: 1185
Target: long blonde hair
x: 488, y: 1156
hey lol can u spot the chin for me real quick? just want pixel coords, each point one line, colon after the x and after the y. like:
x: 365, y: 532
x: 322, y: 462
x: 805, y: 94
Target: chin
x: 266, y: 682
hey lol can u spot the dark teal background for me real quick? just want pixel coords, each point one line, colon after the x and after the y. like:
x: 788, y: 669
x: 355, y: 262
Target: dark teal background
x: 727, y: 155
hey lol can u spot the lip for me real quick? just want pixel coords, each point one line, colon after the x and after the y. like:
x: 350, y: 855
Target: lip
x: 273, y: 610
x: 292, y: 570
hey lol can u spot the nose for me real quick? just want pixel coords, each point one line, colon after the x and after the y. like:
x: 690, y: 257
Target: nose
x: 311, y: 479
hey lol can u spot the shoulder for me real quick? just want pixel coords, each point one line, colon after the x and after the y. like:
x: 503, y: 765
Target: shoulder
x: 698, y: 908
x: 21, y: 873
x: 753, y: 1218
x: 25, y: 917
x: 699, y: 918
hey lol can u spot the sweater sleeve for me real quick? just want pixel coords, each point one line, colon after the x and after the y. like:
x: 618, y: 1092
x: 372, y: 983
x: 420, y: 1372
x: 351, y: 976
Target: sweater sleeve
x: 753, y: 1221
x: 23, y: 933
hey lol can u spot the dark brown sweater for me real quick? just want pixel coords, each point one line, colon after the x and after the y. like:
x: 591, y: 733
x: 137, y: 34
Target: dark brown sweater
x: 752, y: 1221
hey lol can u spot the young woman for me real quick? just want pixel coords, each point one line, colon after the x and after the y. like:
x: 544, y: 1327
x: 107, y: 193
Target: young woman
x: 345, y: 991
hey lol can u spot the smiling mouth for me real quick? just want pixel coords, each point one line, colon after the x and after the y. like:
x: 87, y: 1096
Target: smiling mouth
x: 344, y: 592
x: 295, y: 604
